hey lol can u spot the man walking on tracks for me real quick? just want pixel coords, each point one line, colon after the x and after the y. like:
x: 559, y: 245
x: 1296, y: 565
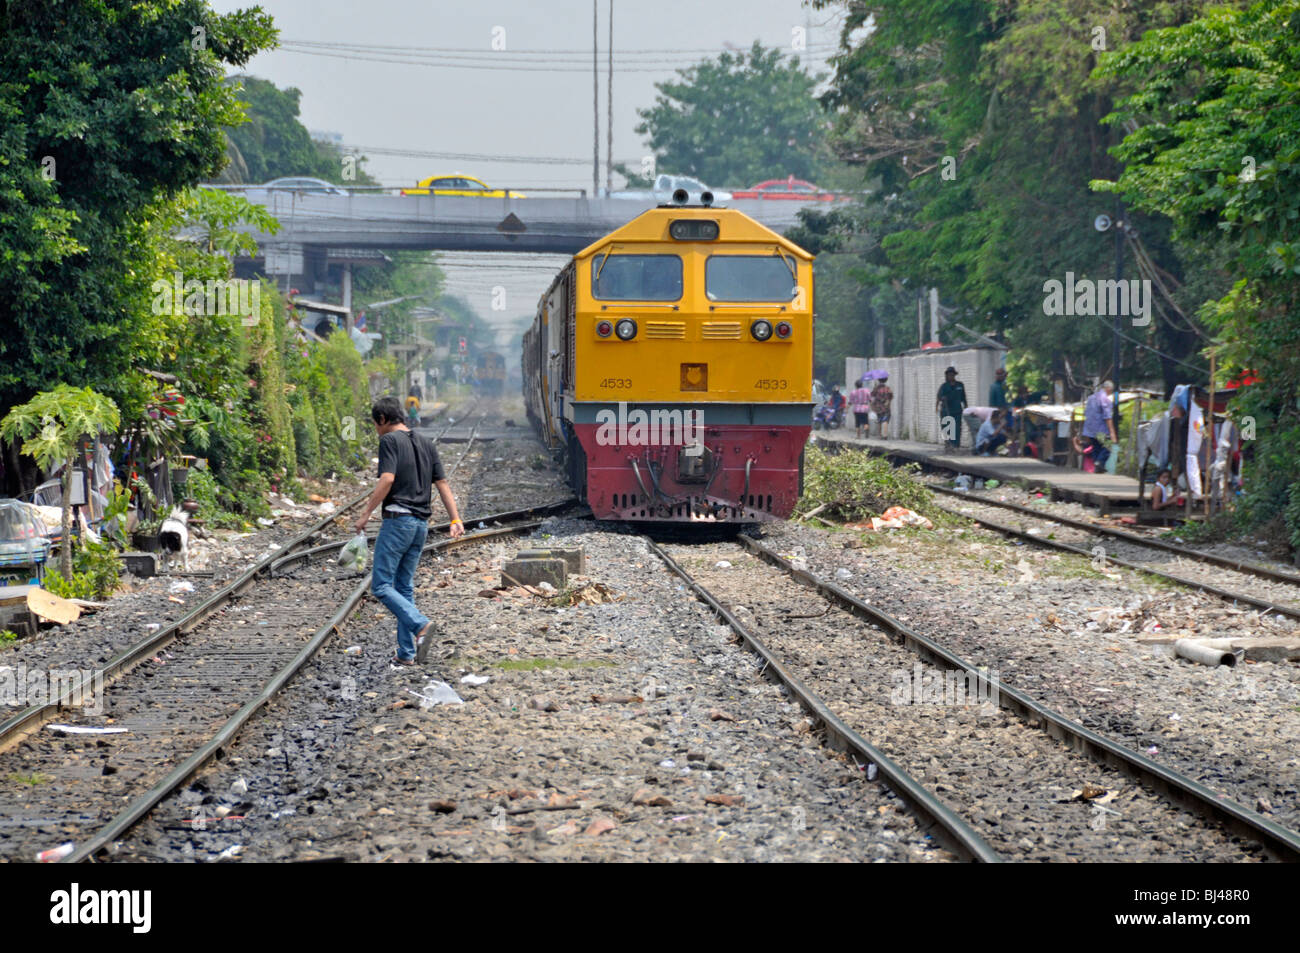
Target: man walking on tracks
x: 408, y: 468
x: 949, y: 405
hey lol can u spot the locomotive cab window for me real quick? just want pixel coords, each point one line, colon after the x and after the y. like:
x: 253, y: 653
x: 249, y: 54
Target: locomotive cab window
x: 750, y: 278
x: 636, y: 277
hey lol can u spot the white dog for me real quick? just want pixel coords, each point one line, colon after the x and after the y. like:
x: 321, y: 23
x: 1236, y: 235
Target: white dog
x: 174, y: 539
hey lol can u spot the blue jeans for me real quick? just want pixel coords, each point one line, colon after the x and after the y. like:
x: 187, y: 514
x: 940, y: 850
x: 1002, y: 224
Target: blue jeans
x: 397, y: 553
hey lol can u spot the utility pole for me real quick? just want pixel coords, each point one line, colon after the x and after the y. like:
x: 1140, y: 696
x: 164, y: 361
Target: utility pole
x: 1120, y: 227
x: 609, y: 109
x: 595, y: 106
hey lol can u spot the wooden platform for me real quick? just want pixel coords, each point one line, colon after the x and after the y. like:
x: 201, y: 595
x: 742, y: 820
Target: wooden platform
x: 1103, y: 490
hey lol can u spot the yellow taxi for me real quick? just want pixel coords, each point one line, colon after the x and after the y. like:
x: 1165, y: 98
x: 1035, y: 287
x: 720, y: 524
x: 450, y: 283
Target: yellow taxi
x: 459, y: 184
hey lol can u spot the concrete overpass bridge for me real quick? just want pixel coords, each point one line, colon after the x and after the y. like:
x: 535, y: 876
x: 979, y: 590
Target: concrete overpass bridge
x: 322, y: 238
x: 461, y: 223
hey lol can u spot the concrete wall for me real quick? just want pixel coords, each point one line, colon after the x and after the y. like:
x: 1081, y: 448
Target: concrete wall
x: 915, y: 376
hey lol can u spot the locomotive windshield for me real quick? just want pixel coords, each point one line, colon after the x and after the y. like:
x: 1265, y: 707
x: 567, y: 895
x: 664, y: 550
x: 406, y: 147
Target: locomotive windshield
x: 637, y: 277
x: 749, y: 278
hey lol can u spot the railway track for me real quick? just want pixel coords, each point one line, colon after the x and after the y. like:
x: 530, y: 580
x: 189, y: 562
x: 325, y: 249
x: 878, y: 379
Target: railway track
x: 1234, y: 581
x: 174, y: 700
x: 168, y: 716
x: 1008, y: 779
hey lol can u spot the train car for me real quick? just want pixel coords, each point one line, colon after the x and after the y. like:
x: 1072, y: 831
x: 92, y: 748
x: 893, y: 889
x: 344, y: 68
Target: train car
x: 490, y: 372
x: 670, y: 363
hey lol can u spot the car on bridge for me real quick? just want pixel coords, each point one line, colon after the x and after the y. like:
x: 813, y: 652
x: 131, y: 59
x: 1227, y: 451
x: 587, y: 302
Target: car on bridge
x: 459, y: 184
x: 304, y: 185
x: 789, y: 189
x: 664, y: 187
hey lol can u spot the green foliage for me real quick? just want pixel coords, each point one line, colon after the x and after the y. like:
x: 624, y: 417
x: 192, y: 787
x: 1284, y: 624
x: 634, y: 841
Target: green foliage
x: 107, y: 108
x: 737, y: 120
x: 95, y: 574
x: 979, y: 121
x: 79, y: 585
x: 31, y: 780
x: 50, y: 424
x: 275, y: 143
x: 213, y: 499
x: 8, y: 637
x: 856, y: 485
x: 1213, y: 142
x: 99, y: 563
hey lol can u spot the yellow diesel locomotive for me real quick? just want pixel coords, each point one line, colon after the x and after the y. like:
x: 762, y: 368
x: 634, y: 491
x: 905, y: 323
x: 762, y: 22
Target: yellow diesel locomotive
x: 671, y: 364
x: 490, y: 372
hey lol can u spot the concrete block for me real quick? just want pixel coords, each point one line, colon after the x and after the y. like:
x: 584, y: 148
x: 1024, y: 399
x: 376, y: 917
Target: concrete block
x: 531, y: 572
x: 140, y: 564
x: 575, y: 558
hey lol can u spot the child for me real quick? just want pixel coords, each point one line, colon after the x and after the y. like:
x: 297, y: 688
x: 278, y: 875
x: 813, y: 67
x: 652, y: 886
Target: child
x: 1163, y: 493
x: 1084, y: 450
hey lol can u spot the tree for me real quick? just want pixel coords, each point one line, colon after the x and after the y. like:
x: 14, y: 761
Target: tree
x: 1213, y: 142
x: 51, y: 425
x: 737, y: 120
x: 108, y: 109
x: 982, y: 115
x: 274, y: 142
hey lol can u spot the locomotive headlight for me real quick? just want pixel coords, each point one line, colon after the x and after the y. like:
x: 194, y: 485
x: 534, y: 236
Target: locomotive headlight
x: 784, y: 330
x: 625, y: 329
x: 604, y: 329
x: 761, y: 330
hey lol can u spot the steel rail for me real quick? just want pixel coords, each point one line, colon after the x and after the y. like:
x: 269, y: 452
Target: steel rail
x: 468, y: 443
x: 1226, y: 594
x: 1253, y: 569
x: 1282, y: 842
x: 150, y: 799
x: 948, y: 827
x: 34, y: 715
x: 554, y: 507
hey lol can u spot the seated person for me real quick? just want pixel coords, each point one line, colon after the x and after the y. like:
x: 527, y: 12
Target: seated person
x: 975, y: 418
x: 992, y: 434
x: 1163, y: 492
x: 836, y: 399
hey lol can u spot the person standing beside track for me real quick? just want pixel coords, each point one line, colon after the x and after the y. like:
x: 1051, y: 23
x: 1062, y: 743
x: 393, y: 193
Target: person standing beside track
x: 949, y: 406
x: 860, y: 404
x: 881, y: 398
x: 1098, y: 418
x: 408, y: 468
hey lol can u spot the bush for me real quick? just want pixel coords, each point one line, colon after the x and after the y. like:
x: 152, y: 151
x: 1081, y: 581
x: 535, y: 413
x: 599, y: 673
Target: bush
x: 95, y: 574
x: 203, y: 488
x: 99, y: 564
x: 80, y: 586
x: 855, y: 485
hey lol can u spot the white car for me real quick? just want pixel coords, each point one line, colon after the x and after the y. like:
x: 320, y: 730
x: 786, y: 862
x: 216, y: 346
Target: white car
x: 666, y: 185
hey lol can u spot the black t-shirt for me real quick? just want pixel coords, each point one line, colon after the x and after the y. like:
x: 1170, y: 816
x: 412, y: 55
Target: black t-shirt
x: 413, y: 461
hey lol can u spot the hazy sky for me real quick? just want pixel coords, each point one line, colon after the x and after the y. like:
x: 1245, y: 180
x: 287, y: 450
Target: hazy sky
x: 424, y: 76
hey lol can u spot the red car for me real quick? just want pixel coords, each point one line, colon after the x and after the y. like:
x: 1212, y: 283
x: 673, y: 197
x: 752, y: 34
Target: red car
x: 791, y: 189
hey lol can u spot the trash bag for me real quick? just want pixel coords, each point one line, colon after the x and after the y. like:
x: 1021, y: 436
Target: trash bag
x: 355, y: 553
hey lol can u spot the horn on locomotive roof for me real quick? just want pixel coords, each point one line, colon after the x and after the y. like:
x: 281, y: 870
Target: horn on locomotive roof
x: 706, y: 198
x: 680, y: 196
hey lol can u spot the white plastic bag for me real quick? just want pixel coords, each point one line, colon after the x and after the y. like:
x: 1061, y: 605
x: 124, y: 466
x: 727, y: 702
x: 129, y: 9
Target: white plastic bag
x: 355, y: 553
